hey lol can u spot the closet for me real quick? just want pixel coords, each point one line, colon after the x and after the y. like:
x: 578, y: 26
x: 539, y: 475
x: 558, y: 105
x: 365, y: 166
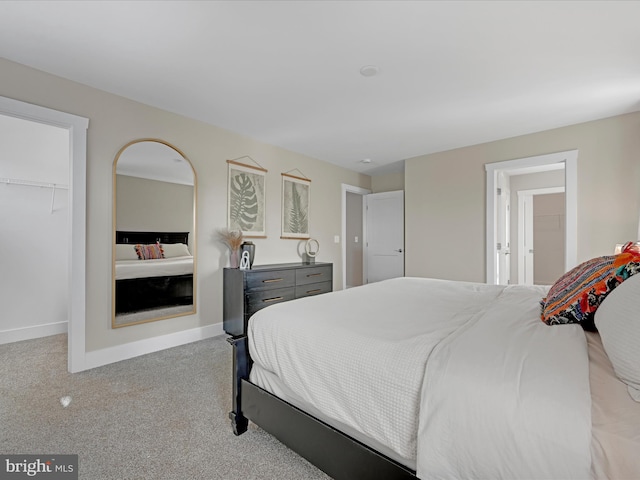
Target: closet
x: 34, y: 229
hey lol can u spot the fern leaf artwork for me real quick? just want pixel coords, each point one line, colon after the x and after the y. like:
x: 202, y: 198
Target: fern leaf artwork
x: 243, y: 203
x: 297, y: 216
x: 295, y: 207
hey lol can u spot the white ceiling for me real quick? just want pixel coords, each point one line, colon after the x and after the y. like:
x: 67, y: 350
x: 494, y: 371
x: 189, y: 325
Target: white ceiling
x: 287, y: 73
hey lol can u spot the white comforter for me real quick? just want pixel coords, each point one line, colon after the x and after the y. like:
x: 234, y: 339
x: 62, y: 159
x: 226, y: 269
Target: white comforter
x: 460, y: 379
x: 159, y: 267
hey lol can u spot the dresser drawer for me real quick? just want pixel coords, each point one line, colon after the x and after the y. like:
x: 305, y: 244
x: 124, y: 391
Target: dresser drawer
x: 312, y: 289
x: 308, y: 275
x: 264, y: 298
x: 247, y: 291
x: 270, y: 279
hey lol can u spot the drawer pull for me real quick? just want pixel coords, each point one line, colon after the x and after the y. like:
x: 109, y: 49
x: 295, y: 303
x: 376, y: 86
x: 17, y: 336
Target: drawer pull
x: 271, y: 280
x: 314, y: 291
x: 274, y: 299
x: 314, y: 275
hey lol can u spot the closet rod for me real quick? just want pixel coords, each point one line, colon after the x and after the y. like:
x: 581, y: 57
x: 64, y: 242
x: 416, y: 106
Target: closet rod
x: 29, y: 183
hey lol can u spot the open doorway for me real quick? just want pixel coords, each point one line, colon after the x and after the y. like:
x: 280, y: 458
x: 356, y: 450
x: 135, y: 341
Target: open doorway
x: 541, y: 235
x: 34, y: 213
x: 76, y: 224
x: 353, y: 227
x: 543, y: 164
x: 372, y: 235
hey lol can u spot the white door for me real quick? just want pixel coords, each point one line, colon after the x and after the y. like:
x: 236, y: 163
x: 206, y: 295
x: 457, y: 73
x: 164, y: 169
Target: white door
x: 503, y: 248
x: 385, y: 236
x: 525, y: 238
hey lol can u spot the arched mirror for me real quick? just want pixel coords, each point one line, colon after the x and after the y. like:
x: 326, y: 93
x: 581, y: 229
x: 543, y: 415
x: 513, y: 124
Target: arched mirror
x: 154, y: 233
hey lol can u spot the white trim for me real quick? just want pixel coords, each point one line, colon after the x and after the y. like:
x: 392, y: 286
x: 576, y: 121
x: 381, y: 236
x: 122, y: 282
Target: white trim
x: 105, y: 356
x: 571, y: 213
x: 35, y: 331
x: 553, y: 160
x: 541, y: 191
x: 522, y: 224
x: 360, y: 191
x: 77, y: 127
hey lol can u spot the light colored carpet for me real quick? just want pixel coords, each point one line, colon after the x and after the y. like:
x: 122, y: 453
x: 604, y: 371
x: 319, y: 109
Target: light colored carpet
x: 159, y: 416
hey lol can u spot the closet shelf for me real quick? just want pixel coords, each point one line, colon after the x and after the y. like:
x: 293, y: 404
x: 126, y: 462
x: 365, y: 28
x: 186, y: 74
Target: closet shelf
x: 30, y: 183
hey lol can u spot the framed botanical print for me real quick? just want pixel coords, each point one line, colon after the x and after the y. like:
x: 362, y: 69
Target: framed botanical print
x: 246, y: 199
x: 295, y: 206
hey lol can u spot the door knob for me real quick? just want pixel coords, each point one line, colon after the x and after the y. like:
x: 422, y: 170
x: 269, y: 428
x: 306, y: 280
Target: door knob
x: 398, y: 250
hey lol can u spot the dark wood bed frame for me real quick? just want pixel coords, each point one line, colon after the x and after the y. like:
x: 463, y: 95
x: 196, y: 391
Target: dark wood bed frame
x: 142, y: 293
x: 332, y: 451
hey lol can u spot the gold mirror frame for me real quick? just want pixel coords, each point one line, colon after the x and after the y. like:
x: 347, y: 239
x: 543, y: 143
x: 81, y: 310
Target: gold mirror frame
x: 159, y: 146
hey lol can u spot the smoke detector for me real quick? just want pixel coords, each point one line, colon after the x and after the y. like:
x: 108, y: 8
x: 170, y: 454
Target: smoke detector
x: 369, y: 71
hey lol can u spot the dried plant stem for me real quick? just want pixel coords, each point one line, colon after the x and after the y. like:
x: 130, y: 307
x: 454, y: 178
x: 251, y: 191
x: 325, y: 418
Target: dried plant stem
x: 232, y: 238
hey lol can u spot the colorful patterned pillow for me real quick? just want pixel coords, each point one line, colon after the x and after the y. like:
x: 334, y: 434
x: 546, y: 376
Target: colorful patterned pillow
x: 149, y: 252
x: 631, y: 247
x: 575, y: 297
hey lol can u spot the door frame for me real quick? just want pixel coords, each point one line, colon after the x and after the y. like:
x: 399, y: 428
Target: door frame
x: 360, y: 191
x: 522, y: 195
x: 567, y: 159
x: 503, y: 229
x: 77, y: 229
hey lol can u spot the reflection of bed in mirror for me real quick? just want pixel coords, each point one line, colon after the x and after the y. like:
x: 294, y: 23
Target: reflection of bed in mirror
x: 154, y: 200
x: 152, y: 283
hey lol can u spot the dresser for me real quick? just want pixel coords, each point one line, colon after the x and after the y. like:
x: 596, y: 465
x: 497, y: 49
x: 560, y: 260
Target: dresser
x: 247, y: 291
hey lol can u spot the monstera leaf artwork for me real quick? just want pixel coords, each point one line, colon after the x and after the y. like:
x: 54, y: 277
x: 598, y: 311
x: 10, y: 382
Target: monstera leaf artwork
x: 295, y: 206
x: 246, y: 200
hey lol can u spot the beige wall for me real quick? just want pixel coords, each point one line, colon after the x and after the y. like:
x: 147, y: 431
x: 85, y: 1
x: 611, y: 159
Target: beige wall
x: 445, y: 195
x: 115, y: 121
x: 151, y: 205
x: 387, y: 183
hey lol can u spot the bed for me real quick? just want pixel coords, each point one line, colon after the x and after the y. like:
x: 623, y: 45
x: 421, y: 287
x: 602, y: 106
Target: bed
x: 157, y: 282
x: 425, y: 378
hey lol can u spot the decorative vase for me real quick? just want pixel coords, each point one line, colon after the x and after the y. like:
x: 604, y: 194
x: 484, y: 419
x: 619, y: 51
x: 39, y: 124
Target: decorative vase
x: 251, y: 248
x: 234, y: 259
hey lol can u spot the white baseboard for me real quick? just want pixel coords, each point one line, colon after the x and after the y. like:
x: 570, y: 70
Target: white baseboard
x: 29, y: 333
x: 105, y: 356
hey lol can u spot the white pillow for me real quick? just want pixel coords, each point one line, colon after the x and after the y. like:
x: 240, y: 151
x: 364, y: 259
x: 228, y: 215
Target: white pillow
x: 126, y: 252
x: 618, y: 321
x: 175, y: 250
